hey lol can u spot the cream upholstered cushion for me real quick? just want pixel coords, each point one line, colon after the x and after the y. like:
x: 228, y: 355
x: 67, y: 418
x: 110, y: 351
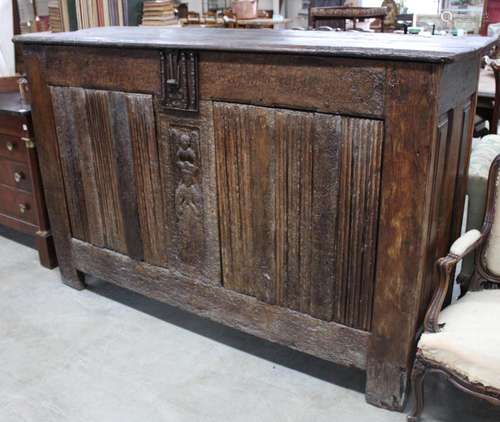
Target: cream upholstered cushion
x: 464, y: 242
x: 469, y: 342
x: 492, y: 255
x: 484, y: 151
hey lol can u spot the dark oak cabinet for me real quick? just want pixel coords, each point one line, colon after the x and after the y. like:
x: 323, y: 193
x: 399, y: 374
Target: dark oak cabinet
x: 297, y: 186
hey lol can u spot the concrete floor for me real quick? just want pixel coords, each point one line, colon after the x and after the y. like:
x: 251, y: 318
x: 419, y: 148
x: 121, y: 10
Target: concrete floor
x: 106, y: 354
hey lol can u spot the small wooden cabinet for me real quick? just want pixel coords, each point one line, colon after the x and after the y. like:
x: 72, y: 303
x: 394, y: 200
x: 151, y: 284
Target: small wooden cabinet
x: 22, y: 204
x: 295, y: 185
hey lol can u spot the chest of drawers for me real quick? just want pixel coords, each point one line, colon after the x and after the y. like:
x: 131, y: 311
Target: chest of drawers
x: 295, y: 185
x: 22, y: 204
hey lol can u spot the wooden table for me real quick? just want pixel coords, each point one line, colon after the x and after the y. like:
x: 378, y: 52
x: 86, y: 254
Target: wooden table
x: 324, y: 16
x: 261, y: 23
x: 295, y: 185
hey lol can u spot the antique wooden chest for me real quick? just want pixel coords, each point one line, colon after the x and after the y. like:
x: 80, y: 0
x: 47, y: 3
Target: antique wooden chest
x: 295, y: 185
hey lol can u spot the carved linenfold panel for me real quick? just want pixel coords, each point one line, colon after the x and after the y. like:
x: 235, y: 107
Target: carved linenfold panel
x: 108, y: 179
x: 298, y: 206
x: 150, y: 197
x: 357, y: 221
x: 187, y: 166
x: 179, y: 78
x: 246, y: 185
x: 146, y: 167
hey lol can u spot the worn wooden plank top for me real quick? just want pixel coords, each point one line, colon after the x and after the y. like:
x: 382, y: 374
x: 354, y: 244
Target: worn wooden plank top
x: 345, y: 44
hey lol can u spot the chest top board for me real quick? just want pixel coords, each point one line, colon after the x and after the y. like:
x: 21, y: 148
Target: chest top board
x: 295, y: 185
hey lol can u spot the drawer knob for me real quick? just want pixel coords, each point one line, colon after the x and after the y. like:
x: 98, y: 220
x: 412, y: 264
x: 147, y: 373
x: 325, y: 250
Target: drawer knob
x: 23, y: 208
x: 18, y: 176
x: 10, y: 146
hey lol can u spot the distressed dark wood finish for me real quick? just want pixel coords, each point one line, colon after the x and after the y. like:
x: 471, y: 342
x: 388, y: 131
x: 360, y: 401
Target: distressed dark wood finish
x: 294, y: 134
x: 320, y: 84
x: 301, y: 203
x: 310, y: 244
x: 146, y: 167
x: 131, y: 71
x: 334, y: 342
x: 358, y: 215
x: 407, y: 179
x: 187, y: 168
x: 395, y: 47
x: 179, y: 79
x: 245, y: 160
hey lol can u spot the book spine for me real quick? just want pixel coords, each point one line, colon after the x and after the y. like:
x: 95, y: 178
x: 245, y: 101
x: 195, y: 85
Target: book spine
x: 119, y: 6
x: 125, y: 12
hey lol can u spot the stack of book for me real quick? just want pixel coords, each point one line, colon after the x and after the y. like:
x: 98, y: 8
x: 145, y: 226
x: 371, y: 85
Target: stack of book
x: 91, y: 13
x: 159, y: 13
x: 56, y: 21
x: 69, y: 15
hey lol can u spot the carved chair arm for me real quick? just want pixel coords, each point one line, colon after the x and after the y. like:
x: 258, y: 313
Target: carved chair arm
x: 461, y: 247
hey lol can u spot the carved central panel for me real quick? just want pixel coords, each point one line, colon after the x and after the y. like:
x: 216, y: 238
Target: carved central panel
x: 185, y: 147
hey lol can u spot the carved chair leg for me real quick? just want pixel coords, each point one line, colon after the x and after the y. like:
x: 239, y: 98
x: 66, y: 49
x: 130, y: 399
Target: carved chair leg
x: 417, y: 385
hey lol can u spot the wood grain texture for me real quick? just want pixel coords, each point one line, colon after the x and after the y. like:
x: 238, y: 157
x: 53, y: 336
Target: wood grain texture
x: 101, y: 138
x: 69, y: 137
x: 294, y: 134
x: 293, y: 174
x: 327, y: 340
x: 245, y: 175
x: 187, y: 168
x: 319, y: 84
x: 358, y: 211
x: 50, y: 167
x: 135, y: 71
x: 298, y: 198
x: 404, y: 222
x: 147, y: 176
x: 396, y: 47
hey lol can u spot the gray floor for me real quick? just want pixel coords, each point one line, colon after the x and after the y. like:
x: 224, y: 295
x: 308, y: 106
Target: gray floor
x: 105, y: 355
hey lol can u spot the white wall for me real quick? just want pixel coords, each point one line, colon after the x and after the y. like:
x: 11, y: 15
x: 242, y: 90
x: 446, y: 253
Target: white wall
x: 7, y: 67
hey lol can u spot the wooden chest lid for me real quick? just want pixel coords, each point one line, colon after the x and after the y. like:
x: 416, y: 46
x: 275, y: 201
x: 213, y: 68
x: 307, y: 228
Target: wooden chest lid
x: 399, y: 47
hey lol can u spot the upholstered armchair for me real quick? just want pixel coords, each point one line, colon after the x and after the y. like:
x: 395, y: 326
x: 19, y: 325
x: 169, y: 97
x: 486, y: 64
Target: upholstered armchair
x: 463, y: 340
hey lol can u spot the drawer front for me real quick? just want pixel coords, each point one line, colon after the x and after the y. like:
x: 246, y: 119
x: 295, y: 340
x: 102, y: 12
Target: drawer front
x: 17, y: 203
x: 12, y: 148
x: 13, y: 125
x: 15, y: 174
